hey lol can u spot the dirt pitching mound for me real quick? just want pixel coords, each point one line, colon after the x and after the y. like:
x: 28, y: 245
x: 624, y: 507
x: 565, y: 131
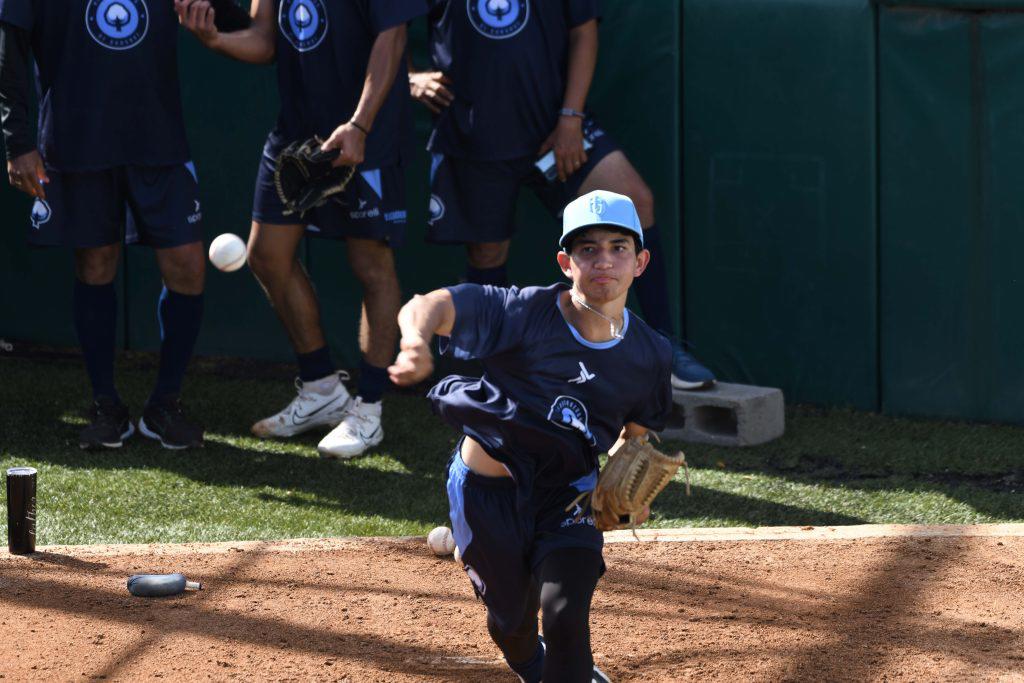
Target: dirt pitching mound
x: 834, y: 604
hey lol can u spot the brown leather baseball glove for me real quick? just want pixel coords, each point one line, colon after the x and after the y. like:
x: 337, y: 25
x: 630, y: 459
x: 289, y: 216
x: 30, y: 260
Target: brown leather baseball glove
x: 635, y: 474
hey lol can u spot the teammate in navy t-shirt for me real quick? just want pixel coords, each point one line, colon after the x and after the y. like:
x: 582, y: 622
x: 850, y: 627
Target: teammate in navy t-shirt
x: 567, y: 373
x: 109, y: 164
x: 341, y: 70
x: 510, y: 85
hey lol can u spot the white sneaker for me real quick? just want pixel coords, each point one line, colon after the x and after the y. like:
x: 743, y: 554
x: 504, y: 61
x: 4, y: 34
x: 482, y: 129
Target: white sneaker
x: 359, y: 429
x: 319, y: 403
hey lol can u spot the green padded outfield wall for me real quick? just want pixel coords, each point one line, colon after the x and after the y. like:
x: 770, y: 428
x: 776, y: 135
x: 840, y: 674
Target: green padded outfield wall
x: 780, y: 194
x: 952, y: 210
x: 229, y: 108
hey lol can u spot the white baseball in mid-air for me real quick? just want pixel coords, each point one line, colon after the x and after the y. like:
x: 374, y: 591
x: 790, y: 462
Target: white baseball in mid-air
x: 440, y: 541
x: 227, y: 252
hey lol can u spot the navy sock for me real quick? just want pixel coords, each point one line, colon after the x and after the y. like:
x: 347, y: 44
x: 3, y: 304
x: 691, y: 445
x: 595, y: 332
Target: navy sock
x: 652, y: 287
x: 180, y: 316
x: 372, y: 381
x: 315, y: 364
x: 497, y: 276
x: 95, y: 312
x: 531, y: 671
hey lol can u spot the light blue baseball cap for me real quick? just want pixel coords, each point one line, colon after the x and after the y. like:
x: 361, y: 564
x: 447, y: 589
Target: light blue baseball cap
x: 600, y: 208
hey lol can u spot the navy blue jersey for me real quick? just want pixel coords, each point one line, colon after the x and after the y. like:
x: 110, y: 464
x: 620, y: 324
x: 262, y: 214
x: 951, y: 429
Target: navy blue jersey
x: 507, y: 60
x: 323, y: 49
x: 549, y: 401
x: 107, y: 80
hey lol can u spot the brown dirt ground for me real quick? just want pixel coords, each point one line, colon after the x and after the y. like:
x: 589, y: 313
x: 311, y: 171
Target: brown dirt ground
x: 909, y: 607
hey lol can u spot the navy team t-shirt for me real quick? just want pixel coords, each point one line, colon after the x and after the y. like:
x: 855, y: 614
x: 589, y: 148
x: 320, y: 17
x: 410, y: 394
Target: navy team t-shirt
x: 107, y: 80
x: 507, y: 60
x: 549, y: 401
x: 323, y: 48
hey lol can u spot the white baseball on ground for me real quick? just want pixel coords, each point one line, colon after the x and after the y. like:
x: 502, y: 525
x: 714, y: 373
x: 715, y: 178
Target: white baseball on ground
x: 458, y: 554
x: 227, y: 252
x: 440, y: 541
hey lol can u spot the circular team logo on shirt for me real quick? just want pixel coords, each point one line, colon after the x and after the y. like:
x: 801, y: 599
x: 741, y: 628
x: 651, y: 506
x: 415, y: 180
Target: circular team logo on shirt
x: 117, y: 24
x: 303, y: 23
x: 568, y: 412
x: 498, y: 18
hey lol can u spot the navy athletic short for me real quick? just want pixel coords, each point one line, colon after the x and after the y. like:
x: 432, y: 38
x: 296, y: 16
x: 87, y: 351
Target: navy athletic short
x: 157, y: 206
x: 475, y: 201
x: 371, y: 207
x: 501, y: 545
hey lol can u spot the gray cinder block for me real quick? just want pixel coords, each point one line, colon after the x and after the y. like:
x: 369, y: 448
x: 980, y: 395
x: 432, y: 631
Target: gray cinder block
x: 727, y: 415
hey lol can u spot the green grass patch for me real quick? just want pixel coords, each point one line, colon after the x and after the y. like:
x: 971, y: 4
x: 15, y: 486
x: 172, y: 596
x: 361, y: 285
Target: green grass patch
x: 832, y: 467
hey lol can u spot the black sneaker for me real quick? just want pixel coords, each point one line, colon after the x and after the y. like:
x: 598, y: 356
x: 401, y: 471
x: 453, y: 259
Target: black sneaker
x: 109, y: 425
x: 164, y: 419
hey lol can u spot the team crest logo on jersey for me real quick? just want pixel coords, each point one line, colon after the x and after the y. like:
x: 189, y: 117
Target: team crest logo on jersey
x: 41, y: 213
x: 117, y: 24
x: 570, y: 413
x: 436, y: 209
x: 303, y: 23
x: 498, y: 18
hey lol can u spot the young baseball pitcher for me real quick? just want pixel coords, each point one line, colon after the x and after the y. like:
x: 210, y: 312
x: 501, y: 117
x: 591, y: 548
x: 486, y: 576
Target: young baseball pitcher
x: 568, y: 374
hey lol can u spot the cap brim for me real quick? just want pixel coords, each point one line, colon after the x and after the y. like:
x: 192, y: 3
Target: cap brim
x: 628, y: 228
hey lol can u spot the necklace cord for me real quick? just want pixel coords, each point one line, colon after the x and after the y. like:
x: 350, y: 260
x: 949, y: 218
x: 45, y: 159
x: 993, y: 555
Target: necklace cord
x: 616, y: 332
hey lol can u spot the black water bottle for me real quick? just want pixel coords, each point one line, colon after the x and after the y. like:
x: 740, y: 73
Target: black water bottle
x: 21, y: 510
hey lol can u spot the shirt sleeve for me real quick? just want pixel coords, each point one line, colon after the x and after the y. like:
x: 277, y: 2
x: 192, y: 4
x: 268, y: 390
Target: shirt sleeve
x: 17, y: 13
x: 14, y: 91
x: 488, y: 321
x: 385, y: 14
x: 579, y: 12
x: 655, y: 411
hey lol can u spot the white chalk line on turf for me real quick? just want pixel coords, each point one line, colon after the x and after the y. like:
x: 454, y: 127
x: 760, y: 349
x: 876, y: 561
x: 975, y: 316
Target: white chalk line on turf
x: 681, y: 535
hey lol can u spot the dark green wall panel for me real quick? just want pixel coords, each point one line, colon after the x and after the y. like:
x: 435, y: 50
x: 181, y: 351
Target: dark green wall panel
x: 1002, y: 36
x: 951, y: 220
x: 780, y: 194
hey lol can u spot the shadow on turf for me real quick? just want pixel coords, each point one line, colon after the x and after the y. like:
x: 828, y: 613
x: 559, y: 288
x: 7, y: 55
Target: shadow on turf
x: 979, y: 465
x: 809, y: 454
x: 673, y: 503
x: 293, y: 475
x: 302, y: 481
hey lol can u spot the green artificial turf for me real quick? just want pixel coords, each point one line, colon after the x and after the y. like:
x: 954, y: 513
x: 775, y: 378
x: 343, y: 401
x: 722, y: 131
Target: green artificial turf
x: 832, y: 467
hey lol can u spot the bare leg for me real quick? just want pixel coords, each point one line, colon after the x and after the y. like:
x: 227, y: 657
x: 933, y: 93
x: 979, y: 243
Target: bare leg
x: 272, y: 260
x: 97, y: 265
x: 484, y: 255
x: 183, y: 268
x: 615, y: 173
x: 373, y: 264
